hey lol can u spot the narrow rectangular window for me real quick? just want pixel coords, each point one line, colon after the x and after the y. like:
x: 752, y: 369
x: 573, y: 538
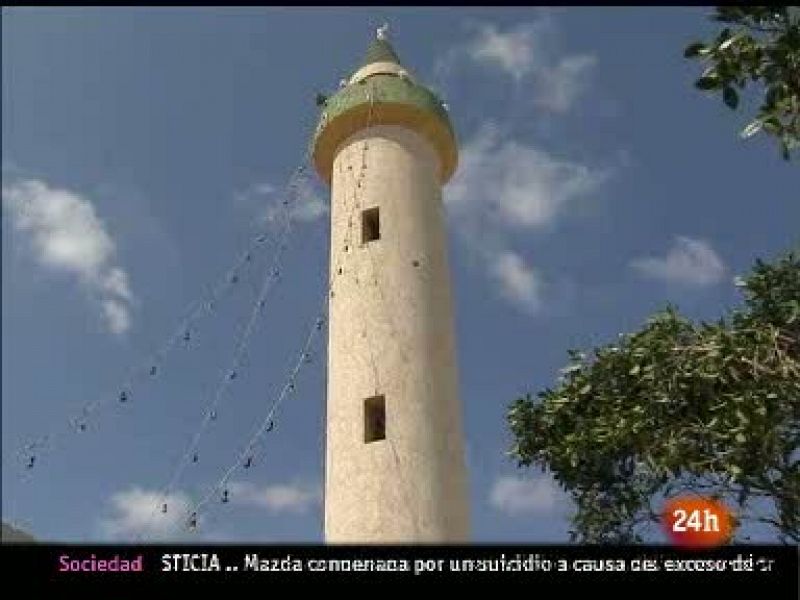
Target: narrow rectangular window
x: 374, y: 419
x: 370, y: 225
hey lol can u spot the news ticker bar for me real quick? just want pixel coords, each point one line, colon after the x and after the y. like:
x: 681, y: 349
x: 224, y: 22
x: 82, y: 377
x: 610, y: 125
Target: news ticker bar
x: 762, y: 568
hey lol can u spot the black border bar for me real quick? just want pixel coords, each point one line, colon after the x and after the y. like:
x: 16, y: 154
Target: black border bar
x: 760, y: 569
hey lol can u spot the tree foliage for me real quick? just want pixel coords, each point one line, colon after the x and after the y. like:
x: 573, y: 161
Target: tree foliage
x: 759, y: 45
x: 712, y: 408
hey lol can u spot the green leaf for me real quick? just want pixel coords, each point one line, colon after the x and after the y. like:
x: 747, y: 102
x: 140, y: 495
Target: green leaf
x: 634, y: 370
x: 784, y: 150
x: 695, y: 49
x: 770, y: 97
x: 772, y: 125
x: 726, y: 44
x: 751, y: 129
x: 709, y: 82
x: 617, y: 453
x: 742, y: 54
x: 730, y: 97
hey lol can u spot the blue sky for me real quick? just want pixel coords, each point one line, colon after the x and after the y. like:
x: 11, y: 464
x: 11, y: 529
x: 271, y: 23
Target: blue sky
x: 143, y: 149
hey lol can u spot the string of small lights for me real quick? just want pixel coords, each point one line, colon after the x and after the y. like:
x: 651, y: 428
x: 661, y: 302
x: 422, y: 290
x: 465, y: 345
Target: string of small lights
x: 246, y: 457
x: 31, y: 453
x: 211, y: 411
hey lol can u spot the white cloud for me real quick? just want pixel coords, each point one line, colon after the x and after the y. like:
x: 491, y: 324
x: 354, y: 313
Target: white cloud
x: 519, y: 283
x: 306, y: 204
x: 264, y: 188
x: 296, y: 497
x: 516, y: 184
x: 137, y: 512
x: 512, y: 51
x: 116, y: 284
x: 66, y: 235
x: 689, y: 262
x: 515, y: 495
x: 530, y: 53
x: 117, y: 316
x: 560, y: 86
x: 503, y: 187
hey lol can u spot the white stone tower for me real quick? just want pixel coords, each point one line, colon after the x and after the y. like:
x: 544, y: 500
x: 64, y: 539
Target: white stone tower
x: 394, y: 467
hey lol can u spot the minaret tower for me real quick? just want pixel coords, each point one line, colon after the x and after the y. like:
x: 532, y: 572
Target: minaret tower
x: 394, y: 465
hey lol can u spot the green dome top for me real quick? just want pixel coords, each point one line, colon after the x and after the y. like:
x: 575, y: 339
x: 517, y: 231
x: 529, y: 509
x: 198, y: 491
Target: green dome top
x: 380, y: 50
x: 383, y: 98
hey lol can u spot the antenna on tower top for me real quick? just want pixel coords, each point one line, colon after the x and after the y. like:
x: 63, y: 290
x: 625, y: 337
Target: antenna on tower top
x: 383, y: 32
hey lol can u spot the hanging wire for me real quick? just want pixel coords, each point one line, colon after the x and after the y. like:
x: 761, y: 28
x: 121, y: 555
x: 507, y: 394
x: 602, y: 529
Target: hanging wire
x: 370, y: 345
x: 245, y: 458
x: 405, y: 357
x: 248, y: 456
x: 211, y: 411
x: 249, y: 449
x: 183, y: 333
x: 149, y: 368
x: 372, y: 358
x: 359, y: 180
x: 252, y: 451
x: 405, y: 488
x: 248, y: 461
